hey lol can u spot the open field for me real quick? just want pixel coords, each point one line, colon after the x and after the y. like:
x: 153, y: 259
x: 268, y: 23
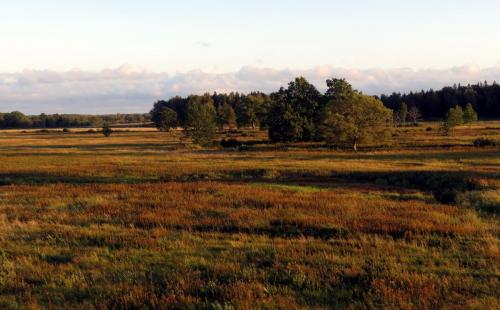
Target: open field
x: 144, y: 220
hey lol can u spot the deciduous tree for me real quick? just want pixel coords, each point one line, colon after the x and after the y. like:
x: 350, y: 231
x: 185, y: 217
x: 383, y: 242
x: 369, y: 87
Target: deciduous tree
x: 167, y: 120
x: 454, y: 117
x: 470, y: 114
x: 356, y: 119
x: 202, y: 123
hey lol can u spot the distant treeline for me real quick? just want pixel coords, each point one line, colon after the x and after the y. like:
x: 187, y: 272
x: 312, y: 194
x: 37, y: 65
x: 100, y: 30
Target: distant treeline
x: 485, y: 99
x: 252, y: 110
x: 18, y: 120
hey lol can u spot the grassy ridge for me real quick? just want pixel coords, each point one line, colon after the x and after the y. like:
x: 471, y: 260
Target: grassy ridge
x: 143, y: 220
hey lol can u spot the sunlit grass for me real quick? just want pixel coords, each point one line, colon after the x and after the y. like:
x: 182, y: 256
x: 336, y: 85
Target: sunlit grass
x: 142, y: 219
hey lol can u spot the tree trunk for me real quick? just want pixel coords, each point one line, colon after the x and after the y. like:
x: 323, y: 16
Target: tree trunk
x: 355, y: 145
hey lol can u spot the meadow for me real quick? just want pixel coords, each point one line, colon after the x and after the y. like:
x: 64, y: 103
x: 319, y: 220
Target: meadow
x: 145, y: 220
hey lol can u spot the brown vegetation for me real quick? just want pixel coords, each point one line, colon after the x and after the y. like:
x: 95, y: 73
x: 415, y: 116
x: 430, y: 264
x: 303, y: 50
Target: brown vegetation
x: 143, y: 219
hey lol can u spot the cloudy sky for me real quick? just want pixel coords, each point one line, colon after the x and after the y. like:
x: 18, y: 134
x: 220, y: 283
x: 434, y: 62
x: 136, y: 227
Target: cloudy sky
x: 120, y: 56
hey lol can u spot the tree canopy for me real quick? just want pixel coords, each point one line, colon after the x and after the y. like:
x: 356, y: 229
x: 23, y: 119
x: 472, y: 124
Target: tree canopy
x: 356, y: 119
x: 167, y: 119
x: 434, y: 104
x: 295, y: 112
x: 201, y: 122
x: 454, y: 117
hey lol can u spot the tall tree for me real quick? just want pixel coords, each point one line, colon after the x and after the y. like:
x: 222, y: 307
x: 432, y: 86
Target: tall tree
x: 414, y: 114
x: 298, y: 107
x: 285, y: 124
x: 167, y: 120
x: 454, y: 117
x: 226, y: 116
x: 470, y: 114
x: 356, y: 119
x: 338, y: 89
x: 201, y: 122
x: 403, y: 113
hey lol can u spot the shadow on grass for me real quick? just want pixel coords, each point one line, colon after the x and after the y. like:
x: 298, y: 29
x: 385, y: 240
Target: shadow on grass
x: 44, y: 179
x: 104, y: 146
x: 446, y: 186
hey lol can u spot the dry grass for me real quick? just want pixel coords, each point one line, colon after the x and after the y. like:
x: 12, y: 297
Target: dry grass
x: 143, y: 220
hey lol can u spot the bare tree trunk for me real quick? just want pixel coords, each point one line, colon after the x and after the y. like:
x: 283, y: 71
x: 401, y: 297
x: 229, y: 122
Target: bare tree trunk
x: 355, y: 145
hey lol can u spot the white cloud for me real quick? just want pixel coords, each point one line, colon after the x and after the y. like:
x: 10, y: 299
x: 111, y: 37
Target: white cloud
x: 132, y: 89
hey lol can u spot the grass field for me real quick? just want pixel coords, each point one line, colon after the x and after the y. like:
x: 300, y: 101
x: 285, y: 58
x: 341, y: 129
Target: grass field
x: 143, y: 219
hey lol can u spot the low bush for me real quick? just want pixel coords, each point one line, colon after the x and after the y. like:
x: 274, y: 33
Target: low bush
x: 230, y: 143
x: 483, y: 142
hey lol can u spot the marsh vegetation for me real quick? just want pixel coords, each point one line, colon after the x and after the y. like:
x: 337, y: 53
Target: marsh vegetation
x: 145, y: 219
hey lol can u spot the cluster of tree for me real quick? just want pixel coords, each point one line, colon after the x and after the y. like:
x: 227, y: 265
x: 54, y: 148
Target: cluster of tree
x: 230, y: 110
x: 485, y: 99
x: 18, y: 120
x: 403, y: 115
x: 341, y: 116
x: 457, y: 116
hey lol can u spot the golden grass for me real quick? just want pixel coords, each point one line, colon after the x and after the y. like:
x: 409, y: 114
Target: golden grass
x: 144, y: 220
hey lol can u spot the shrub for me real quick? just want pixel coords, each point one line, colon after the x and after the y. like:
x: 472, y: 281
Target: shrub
x: 483, y: 142
x: 230, y: 144
x: 107, y: 131
x: 66, y: 130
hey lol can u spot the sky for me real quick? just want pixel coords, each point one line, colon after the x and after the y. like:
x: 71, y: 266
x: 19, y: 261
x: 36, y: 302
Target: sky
x: 120, y: 56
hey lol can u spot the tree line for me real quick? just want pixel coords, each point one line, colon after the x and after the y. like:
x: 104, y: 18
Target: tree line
x: 18, y: 120
x: 484, y: 98
x: 341, y: 116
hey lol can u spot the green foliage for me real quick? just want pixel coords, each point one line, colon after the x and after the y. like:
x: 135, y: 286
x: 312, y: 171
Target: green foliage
x: 106, y: 130
x: 226, y: 116
x: 15, y: 119
x: 403, y: 113
x: 356, y: 119
x: 177, y: 104
x: 470, y: 114
x: 201, y: 122
x: 454, y: 117
x: 284, y: 123
x: 339, y: 89
x: 167, y: 119
x: 253, y: 110
x: 18, y: 120
x: 294, y: 112
x: 435, y: 103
